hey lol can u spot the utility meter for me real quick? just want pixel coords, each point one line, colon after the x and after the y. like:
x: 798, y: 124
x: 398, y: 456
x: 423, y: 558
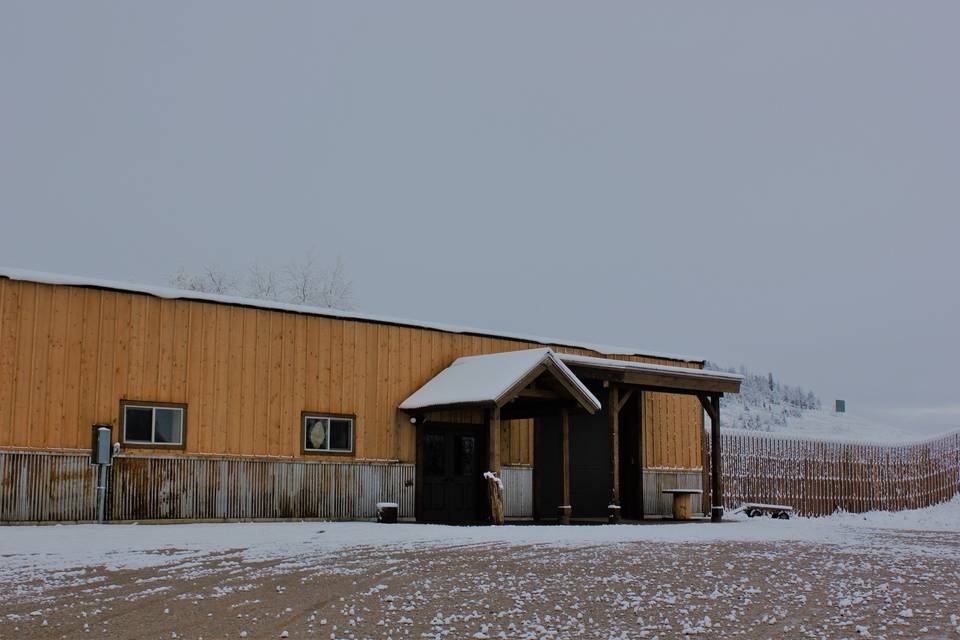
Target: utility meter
x: 101, y: 449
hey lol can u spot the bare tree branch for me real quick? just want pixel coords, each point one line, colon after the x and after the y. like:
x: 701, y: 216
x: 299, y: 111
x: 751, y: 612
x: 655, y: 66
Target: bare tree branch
x: 264, y: 284
x: 309, y: 283
x: 212, y: 279
x: 303, y: 281
x: 336, y: 290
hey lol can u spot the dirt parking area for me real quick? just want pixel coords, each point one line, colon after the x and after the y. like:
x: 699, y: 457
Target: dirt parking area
x: 900, y: 585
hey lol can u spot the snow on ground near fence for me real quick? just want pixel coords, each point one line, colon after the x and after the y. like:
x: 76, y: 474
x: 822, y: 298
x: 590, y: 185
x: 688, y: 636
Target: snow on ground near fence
x: 941, y: 517
x: 24, y: 550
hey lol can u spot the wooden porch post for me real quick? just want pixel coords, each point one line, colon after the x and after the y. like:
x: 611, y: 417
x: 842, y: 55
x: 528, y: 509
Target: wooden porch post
x: 537, y: 460
x: 494, y: 484
x: 613, y: 413
x: 564, y: 510
x: 641, y: 396
x: 716, y: 488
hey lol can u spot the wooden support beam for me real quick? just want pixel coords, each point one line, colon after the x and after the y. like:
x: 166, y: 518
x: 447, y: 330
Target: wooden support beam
x: 624, y: 398
x: 716, y: 488
x: 565, y: 509
x: 707, y: 402
x: 494, y: 490
x: 613, y: 415
x: 542, y: 393
x: 688, y: 384
x: 493, y: 423
x: 531, y: 409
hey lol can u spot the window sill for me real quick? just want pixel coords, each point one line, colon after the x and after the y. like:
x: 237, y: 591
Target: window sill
x: 152, y: 445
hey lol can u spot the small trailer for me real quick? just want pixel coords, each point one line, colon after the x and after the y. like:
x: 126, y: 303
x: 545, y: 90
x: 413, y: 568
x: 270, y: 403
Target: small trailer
x: 757, y: 509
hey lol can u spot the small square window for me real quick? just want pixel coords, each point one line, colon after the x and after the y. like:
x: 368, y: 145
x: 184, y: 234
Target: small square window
x: 147, y: 424
x: 327, y: 434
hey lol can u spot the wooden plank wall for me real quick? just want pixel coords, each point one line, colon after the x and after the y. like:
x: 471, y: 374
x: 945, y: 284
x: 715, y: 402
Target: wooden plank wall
x: 68, y: 355
x: 671, y: 431
x: 818, y: 477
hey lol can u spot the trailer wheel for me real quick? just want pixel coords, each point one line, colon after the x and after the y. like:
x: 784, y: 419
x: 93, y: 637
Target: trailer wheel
x: 754, y: 513
x: 782, y: 515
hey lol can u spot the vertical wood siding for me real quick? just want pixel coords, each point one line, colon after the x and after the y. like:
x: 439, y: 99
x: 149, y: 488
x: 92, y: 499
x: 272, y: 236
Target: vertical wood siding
x: 68, y: 355
x: 818, y: 477
x: 656, y: 502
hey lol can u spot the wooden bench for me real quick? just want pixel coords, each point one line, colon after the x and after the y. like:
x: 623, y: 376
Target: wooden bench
x: 682, y: 502
x: 756, y: 509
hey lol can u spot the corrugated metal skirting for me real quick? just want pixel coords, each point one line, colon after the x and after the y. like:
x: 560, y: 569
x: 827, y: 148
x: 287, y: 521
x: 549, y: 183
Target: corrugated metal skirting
x: 655, y: 502
x: 61, y: 487
x: 194, y: 488
x: 47, y: 487
x: 517, y: 492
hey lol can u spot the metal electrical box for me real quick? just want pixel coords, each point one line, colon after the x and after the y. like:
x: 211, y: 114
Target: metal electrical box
x: 101, y: 447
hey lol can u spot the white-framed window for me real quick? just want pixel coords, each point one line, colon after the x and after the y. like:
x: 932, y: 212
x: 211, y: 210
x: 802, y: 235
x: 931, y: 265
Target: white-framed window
x: 324, y: 433
x: 153, y: 424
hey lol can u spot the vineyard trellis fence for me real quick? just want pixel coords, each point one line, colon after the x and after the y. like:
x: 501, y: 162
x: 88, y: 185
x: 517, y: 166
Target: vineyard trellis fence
x: 820, y: 477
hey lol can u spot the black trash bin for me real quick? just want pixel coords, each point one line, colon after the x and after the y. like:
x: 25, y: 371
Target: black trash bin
x: 387, y: 512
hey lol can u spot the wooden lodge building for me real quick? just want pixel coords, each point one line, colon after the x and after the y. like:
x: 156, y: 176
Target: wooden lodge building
x: 225, y: 408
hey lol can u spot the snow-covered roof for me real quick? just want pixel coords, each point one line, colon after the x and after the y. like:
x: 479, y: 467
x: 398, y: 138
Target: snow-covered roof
x: 166, y: 292
x: 656, y: 376
x: 490, y: 378
x: 623, y: 365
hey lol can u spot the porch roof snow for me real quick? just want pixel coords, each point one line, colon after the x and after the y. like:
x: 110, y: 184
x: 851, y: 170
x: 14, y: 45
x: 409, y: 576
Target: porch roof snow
x: 655, y: 376
x: 490, y: 379
x: 624, y: 365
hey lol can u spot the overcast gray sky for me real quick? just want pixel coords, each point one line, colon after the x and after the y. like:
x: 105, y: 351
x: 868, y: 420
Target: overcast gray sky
x: 763, y: 183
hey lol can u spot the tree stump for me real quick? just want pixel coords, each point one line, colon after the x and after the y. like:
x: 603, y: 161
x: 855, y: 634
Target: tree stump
x: 495, y: 492
x: 682, y: 506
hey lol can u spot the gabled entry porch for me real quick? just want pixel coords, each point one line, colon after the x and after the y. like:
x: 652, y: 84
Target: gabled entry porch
x: 588, y: 452
x: 453, y: 456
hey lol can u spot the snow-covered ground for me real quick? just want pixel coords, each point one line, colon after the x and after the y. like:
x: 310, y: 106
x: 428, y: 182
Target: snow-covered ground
x: 129, y: 546
x: 941, y: 517
x: 880, y: 575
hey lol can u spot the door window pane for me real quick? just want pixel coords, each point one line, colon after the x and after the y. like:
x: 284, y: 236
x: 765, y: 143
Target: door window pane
x: 435, y: 454
x: 465, y: 458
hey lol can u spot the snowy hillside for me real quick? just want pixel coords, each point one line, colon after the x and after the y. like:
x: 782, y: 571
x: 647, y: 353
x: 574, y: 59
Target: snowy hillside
x: 763, y: 404
x: 769, y: 406
x: 821, y: 424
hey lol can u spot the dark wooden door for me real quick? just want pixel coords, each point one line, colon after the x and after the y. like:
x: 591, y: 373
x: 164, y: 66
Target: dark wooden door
x: 631, y: 466
x: 450, y: 465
